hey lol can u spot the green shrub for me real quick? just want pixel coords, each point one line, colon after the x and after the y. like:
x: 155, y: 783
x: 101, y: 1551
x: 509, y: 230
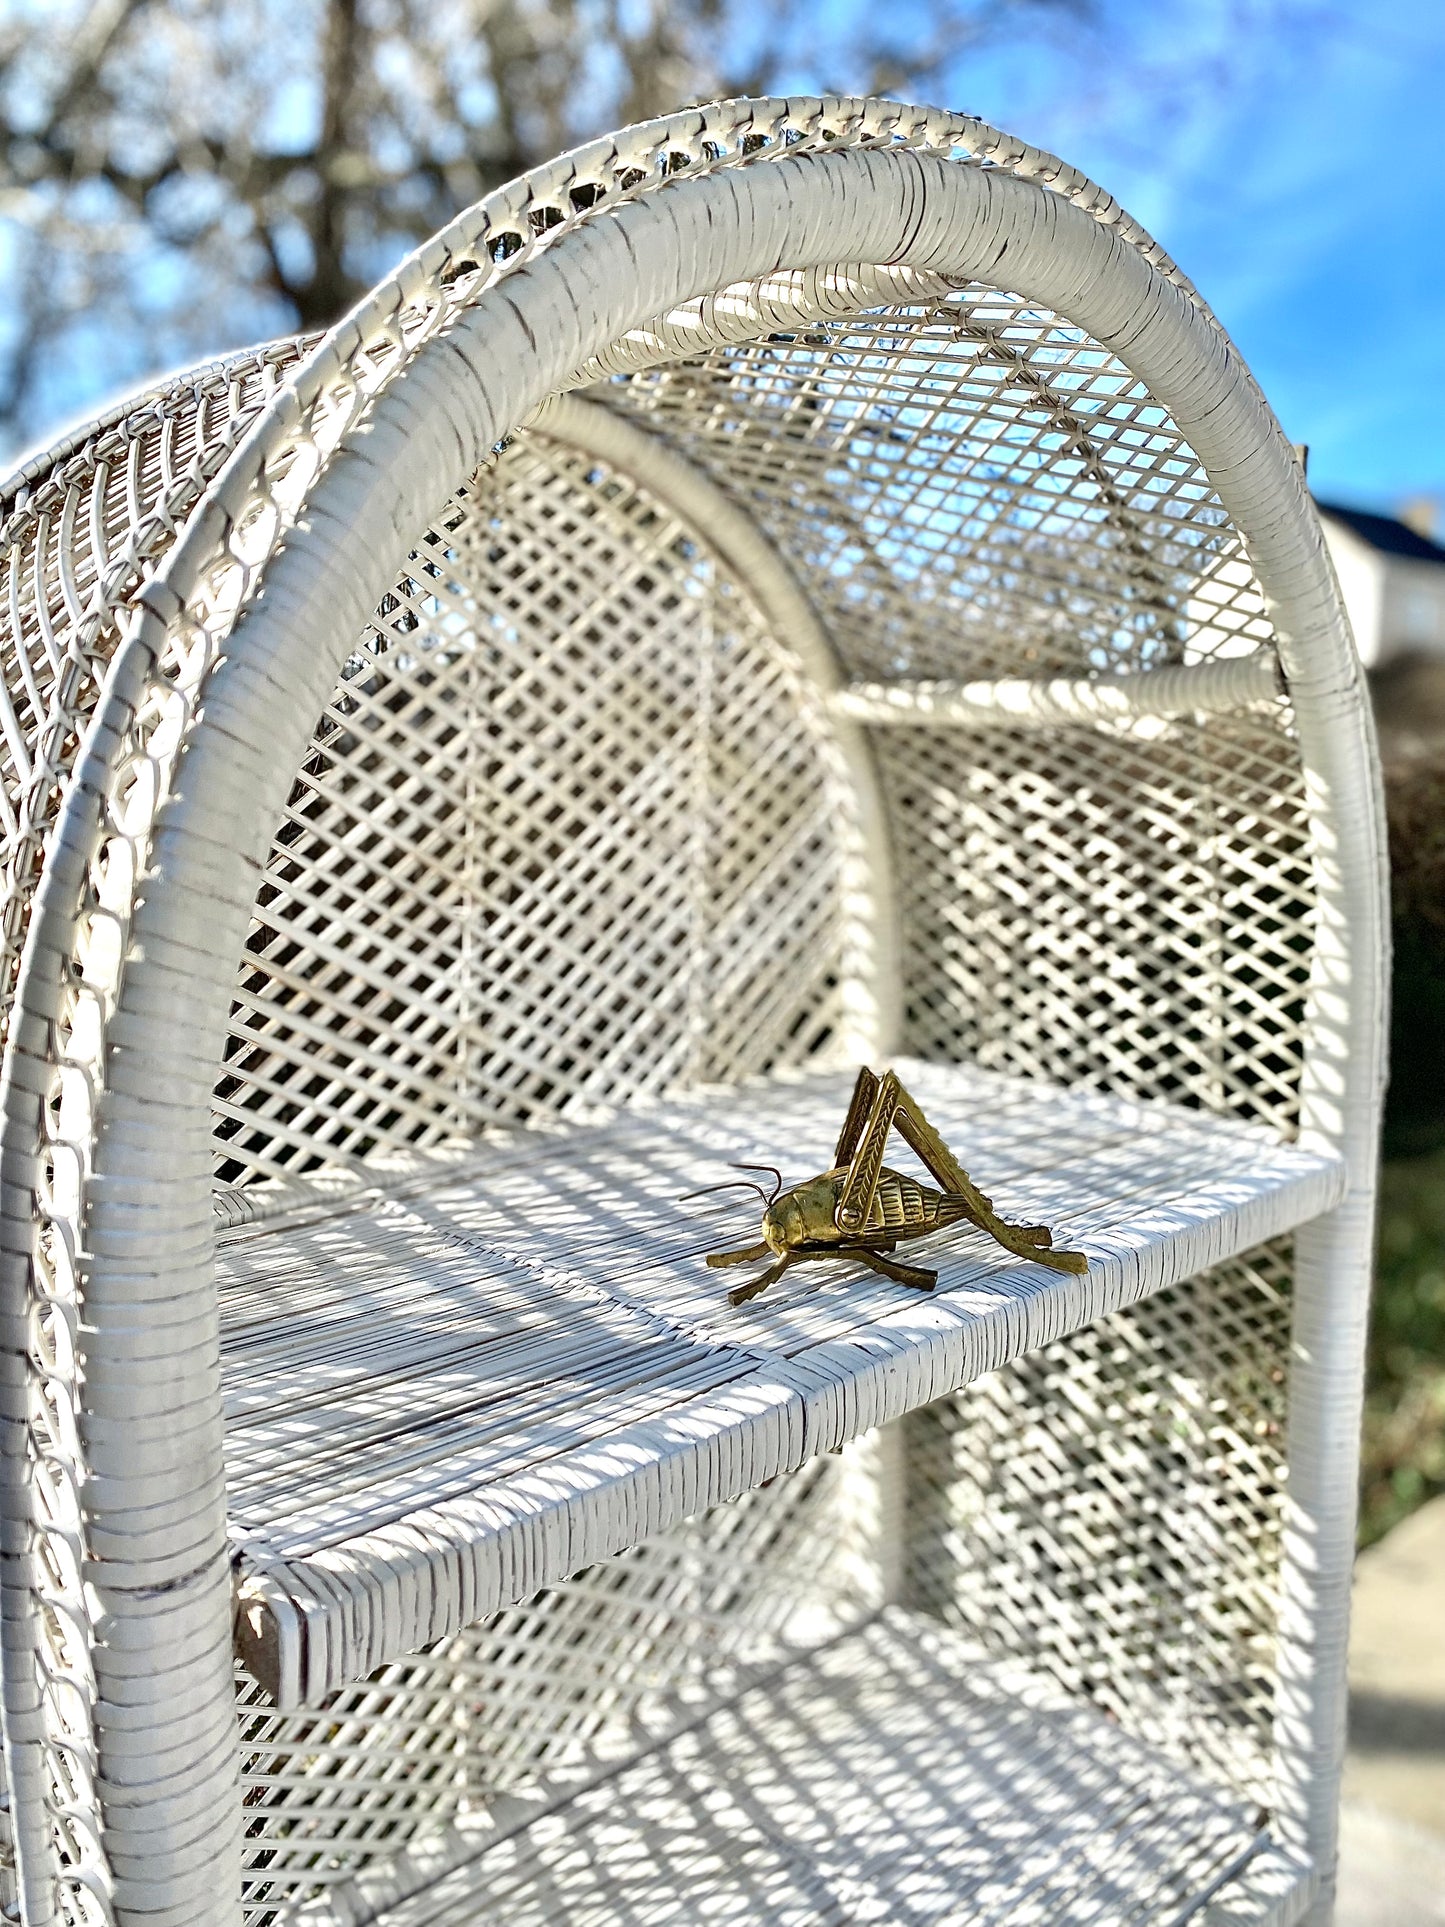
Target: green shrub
x: 1403, y: 1450
x: 1415, y: 1105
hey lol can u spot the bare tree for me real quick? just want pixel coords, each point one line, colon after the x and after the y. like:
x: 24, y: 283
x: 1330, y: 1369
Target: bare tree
x: 183, y: 175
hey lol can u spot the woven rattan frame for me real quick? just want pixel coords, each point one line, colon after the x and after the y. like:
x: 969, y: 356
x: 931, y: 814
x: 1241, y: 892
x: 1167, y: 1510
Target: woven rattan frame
x: 124, y: 992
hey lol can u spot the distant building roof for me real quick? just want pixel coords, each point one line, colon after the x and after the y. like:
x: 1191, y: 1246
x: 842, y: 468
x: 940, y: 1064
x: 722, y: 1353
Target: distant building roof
x: 1384, y: 533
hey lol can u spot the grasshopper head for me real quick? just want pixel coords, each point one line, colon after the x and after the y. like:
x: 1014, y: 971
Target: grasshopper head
x: 783, y: 1225
x: 803, y: 1215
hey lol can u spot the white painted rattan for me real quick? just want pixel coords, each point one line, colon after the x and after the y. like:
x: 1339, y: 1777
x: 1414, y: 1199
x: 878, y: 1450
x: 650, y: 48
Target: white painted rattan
x: 896, y: 1775
x: 881, y: 398
x: 1209, y: 688
x: 438, y: 1405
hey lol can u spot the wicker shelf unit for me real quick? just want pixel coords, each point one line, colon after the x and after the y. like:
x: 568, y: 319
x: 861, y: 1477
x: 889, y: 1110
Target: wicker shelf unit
x: 795, y: 584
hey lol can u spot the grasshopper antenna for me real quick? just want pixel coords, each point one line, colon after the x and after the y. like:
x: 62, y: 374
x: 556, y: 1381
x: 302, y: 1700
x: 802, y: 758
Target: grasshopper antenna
x: 773, y: 1173
x: 728, y: 1184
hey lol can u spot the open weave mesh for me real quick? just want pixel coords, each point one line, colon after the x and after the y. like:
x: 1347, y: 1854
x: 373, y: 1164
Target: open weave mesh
x: 568, y: 831
x: 1109, y: 1510
x: 1103, y: 1515
x: 565, y: 834
x: 564, y: 831
x: 1106, y: 910
x: 537, y: 1698
x: 972, y: 487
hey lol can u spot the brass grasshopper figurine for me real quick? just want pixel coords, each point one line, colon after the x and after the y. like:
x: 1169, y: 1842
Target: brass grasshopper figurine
x: 861, y: 1210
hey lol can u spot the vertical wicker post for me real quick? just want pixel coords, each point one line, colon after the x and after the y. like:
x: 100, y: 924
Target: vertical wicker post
x: 1046, y: 757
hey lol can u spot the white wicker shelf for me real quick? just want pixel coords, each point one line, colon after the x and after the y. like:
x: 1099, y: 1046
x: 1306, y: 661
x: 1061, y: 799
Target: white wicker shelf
x: 443, y: 1398
x: 1183, y: 689
x: 896, y: 1775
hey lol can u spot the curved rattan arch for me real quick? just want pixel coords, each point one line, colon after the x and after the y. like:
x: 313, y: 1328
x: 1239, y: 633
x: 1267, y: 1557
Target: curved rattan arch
x: 183, y: 774
x: 869, y: 915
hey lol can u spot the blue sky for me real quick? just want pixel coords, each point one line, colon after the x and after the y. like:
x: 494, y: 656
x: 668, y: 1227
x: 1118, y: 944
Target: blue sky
x: 1296, y: 172
x: 1289, y: 153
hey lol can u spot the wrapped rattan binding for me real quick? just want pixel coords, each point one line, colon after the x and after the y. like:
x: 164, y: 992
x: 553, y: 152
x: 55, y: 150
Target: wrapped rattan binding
x: 608, y: 796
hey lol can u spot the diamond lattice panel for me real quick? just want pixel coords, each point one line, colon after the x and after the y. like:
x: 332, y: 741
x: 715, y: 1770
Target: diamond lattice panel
x: 567, y: 831
x: 553, y: 1684
x: 1109, y: 1509
x: 970, y: 485
x: 1119, y: 910
x: 973, y: 488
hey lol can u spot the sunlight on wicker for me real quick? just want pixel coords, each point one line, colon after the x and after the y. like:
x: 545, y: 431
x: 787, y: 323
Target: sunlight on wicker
x: 1148, y: 1582
x: 513, y: 882
x: 554, y: 1341
x: 792, y: 583
x: 555, y: 1690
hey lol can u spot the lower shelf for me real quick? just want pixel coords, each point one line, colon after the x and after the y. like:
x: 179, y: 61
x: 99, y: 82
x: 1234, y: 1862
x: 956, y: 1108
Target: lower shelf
x: 894, y: 1777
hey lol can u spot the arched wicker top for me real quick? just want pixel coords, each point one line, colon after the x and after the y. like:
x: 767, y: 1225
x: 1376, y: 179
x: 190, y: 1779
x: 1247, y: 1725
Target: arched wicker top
x: 345, y: 483
x: 142, y: 909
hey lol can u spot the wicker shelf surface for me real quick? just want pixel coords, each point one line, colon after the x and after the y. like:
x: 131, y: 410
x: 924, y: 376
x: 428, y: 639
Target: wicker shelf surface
x: 896, y: 1775
x: 444, y: 1395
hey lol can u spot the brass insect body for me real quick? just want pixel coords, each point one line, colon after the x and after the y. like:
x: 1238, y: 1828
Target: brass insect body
x: 860, y: 1209
x: 807, y: 1215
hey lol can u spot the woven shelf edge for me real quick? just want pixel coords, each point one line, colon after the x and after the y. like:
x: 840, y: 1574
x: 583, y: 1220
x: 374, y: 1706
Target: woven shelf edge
x: 1201, y: 688
x: 304, y: 1627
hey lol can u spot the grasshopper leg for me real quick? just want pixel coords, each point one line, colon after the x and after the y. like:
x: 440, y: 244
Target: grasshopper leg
x: 744, y: 1257
x: 742, y: 1293
x: 865, y: 1093
x: 1033, y: 1241
x: 893, y: 1268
